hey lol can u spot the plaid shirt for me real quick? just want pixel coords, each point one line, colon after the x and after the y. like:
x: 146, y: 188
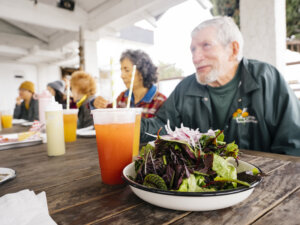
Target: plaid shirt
x: 150, y: 103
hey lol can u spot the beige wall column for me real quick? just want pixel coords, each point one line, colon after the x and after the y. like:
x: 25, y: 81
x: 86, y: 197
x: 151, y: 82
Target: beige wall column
x: 263, y: 25
x: 88, y: 42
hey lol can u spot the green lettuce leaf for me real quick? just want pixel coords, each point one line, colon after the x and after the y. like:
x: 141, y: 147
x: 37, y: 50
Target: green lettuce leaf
x: 224, y: 169
x: 193, y: 184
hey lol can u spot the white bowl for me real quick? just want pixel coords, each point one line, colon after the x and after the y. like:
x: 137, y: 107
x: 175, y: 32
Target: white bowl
x: 191, y: 201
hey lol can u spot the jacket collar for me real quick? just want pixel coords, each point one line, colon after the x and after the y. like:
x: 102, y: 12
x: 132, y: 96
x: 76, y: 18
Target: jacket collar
x: 196, y: 89
x: 147, y: 98
x: 248, y: 83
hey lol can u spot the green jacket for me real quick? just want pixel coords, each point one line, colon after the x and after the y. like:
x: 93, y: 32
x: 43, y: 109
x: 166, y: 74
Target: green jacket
x: 272, y: 121
x: 85, y: 117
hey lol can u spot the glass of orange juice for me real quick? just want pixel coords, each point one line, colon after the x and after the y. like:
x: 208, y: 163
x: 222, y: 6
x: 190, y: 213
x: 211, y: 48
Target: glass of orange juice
x: 70, y: 124
x: 6, y: 119
x: 0, y: 121
x: 137, y: 128
x: 114, y: 135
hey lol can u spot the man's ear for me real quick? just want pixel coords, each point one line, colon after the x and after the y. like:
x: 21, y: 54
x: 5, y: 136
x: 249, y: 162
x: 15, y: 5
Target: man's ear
x: 235, y: 48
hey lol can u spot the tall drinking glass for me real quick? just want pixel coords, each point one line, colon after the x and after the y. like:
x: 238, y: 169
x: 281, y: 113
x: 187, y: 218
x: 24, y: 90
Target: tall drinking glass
x: 114, y: 135
x: 70, y: 124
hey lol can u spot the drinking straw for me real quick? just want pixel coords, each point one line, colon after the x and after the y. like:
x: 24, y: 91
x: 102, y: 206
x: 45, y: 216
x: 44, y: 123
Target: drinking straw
x: 131, y: 86
x: 113, y: 84
x: 68, y: 94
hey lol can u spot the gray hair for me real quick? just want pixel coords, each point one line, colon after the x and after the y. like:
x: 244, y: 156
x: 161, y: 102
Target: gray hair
x: 227, y: 30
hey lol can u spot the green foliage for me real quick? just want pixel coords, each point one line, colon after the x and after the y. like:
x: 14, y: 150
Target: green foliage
x: 293, y: 18
x: 227, y: 8
x: 231, y: 8
x: 166, y: 70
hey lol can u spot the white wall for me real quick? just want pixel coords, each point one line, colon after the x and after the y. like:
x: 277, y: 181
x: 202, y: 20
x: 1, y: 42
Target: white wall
x: 9, y: 84
x: 40, y: 75
x: 46, y: 73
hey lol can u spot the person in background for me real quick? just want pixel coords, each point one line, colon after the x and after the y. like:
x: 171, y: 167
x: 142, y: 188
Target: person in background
x: 57, y: 89
x: 249, y: 100
x: 83, y: 88
x: 144, y: 94
x: 26, y: 106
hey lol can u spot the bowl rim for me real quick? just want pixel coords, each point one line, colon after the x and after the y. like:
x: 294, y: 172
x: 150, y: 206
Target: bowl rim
x: 189, y: 194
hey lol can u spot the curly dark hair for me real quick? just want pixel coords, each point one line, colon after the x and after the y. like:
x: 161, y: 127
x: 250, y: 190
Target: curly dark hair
x: 143, y: 64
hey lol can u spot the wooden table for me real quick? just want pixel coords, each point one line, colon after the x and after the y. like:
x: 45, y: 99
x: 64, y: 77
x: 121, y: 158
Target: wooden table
x: 76, y: 194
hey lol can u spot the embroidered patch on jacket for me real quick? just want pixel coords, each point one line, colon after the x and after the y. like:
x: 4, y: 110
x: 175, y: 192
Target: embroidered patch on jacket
x: 242, y: 116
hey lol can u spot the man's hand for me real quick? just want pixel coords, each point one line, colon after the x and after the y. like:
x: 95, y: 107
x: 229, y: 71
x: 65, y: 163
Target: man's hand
x: 18, y: 100
x: 100, y: 102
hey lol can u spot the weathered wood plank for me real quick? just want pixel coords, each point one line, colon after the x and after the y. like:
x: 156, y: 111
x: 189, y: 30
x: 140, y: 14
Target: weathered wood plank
x: 143, y: 214
x: 75, y: 193
x: 36, y: 170
x: 99, y: 208
x: 273, y: 156
x: 278, y: 216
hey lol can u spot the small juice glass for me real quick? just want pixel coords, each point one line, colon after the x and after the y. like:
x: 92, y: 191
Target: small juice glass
x: 114, y: 135
x: 6, y: 119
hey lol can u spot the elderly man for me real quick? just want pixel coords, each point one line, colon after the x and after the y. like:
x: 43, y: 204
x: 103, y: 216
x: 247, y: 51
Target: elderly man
x: 247, y: 99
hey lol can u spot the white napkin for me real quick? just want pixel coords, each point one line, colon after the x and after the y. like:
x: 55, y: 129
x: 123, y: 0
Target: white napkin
x: 19, y: 121
x: 87, y: 131
x: 25, y: 208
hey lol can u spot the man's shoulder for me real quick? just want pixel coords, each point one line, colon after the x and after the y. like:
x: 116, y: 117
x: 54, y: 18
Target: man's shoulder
x: 262, y: 71
x: 259, y: 68
x: 187, y: 80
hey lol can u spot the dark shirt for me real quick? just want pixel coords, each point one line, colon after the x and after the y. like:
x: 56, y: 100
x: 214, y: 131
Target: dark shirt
x: 85, y: 117
x: 221, y: 99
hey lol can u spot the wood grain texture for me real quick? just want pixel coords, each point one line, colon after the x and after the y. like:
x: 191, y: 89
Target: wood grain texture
x: 98, y: 208
x: 144, y: 214
x: 279, y: 215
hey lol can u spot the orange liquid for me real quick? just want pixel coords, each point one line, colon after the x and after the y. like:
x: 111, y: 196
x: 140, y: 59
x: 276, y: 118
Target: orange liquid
x: 114, y: 142
x: 7, y: 121
x: 136, y: 140
x: 70, y: 125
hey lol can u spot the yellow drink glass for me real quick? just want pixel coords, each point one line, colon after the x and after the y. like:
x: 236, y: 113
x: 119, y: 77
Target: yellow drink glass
x: 7, y: 121
x: 137, y: 128
x: 70, y: 124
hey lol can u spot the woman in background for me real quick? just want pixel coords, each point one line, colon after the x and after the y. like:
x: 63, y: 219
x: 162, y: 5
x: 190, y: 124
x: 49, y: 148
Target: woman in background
x: 57, y: 89
x: 83, y: 88
x: 26, y: 106
x: 144, y: 93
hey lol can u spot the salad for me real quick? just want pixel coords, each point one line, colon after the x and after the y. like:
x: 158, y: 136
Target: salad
x: 186, y: 160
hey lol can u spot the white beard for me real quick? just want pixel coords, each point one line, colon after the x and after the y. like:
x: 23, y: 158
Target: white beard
x: 212, y: 76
